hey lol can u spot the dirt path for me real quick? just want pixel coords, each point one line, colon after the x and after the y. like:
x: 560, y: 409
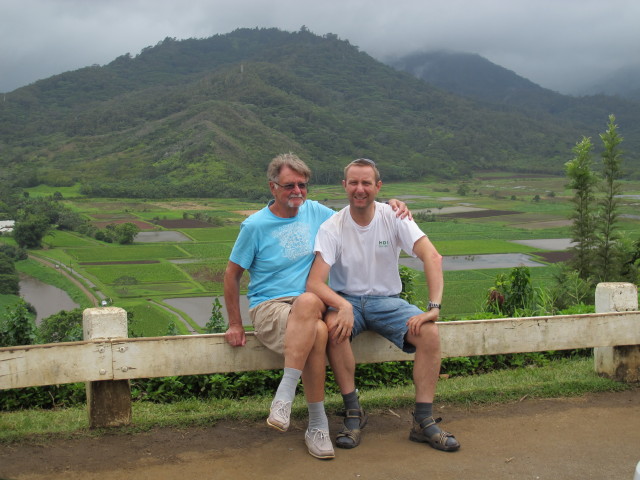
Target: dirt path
x: 591, y: 437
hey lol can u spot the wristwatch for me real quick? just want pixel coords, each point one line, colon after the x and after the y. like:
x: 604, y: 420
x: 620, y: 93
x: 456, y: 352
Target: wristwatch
x: 434, y: 305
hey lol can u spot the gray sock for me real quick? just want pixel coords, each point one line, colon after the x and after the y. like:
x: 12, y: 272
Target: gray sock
x: 422, y: 411
x: 287, y: 389
x: 351, y: 402
x: 317, y: 416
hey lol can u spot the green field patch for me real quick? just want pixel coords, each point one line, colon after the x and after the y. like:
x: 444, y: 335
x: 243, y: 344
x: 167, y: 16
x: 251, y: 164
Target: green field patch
x: 138, y: 223
x: 179, y: 223
x: 147, y: 273
x: 209, y: 275
x: 47, y: 191
x: 217, y: 234
x: 113, y: 216
x: 465, y: 291
x: 156, y: 289
x: 479, y: 214
x: 60, y: 238
x: 474, y: 247
x: 125, y: 262
x: 149, y: 319
x: 7, y: 301
x: 97, y: 206
x: 153, y: 215
x: 483, y: 231
x: 208, y: 250
x: 125, y: 252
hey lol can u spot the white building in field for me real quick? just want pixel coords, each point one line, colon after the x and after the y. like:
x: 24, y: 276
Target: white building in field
x: 6, y: 226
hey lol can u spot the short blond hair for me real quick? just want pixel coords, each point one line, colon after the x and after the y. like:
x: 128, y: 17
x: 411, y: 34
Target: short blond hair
x: 363, y: 162
x: 287, y: 160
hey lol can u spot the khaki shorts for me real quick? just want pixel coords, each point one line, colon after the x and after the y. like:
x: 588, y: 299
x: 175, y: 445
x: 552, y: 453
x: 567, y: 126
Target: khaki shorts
x: 269, y: 320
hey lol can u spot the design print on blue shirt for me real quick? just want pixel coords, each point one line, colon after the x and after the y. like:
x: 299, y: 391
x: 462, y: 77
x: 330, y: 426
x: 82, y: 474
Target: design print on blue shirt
x: 295, y: 239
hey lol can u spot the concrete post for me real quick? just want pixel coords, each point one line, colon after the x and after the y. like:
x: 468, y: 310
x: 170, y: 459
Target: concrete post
x: 620, y: 363
x: 108, y: 401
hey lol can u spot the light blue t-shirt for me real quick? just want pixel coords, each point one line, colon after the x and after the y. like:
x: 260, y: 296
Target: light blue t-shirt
x: 278, y: 252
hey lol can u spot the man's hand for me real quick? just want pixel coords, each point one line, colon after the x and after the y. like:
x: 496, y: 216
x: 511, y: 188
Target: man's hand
x: 340, y: 323
x: 415, y: 322
x: 400, y: 208
x: 235, y: 336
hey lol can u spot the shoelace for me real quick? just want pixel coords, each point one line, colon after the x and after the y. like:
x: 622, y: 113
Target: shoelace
x: 323, y: 434
x: 282, y: 408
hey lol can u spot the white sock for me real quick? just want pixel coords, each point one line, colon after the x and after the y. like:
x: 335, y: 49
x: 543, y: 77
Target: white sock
x: 317, y: 416
x: 287, y: 388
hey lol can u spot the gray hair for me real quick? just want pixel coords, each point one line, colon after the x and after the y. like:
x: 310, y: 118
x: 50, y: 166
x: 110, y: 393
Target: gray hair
x: 287, y: 160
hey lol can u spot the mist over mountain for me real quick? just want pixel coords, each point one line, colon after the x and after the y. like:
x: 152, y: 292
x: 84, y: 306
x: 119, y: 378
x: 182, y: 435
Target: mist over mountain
x: 203, y: 117
x: 624, y: 83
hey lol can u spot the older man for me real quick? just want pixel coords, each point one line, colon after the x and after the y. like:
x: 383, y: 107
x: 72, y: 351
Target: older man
x: 275, y: 245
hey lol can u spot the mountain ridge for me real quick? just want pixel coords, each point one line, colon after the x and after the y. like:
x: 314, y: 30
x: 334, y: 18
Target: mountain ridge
x: 203, y: 117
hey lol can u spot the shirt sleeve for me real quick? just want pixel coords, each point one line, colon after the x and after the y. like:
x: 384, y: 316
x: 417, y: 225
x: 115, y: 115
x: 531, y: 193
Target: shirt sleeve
x: 408, y: 233
x: 326, y: 244
x: 243, y: 251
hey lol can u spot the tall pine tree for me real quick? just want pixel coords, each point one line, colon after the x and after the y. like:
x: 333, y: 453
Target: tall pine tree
x: 607, y: 263
x: 583, y: 180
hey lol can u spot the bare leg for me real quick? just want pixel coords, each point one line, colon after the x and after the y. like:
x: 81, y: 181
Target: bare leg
x: 304, y: 355
x: 426, y: 365
x: 341, y: 358
x: 302, y: 329
x: 426, y: 371
x: 314, y: 372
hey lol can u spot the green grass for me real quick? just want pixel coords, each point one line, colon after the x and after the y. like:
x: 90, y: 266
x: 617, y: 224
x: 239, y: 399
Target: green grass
x: 144, y: 273
x: 208, y: 250
x: 47, y: 191
x: 125, y: 253
x: 150, y: 318
x: 562, y: 378
x: 67, y: 239
x: 217, y: 234
x: 473, y: 247
x: 156, y: 289
x: 7, y: 301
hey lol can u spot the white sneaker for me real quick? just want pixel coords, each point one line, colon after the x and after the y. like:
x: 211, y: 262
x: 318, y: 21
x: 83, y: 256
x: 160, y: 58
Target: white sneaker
x: 279, y: 416
x: 319, y: 443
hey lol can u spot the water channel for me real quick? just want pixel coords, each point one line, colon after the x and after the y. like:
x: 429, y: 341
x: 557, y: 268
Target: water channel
x: 47, y: 299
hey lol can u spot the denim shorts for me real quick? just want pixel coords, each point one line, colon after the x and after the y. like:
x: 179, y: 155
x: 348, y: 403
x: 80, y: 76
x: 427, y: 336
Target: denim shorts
x: 384, y: 315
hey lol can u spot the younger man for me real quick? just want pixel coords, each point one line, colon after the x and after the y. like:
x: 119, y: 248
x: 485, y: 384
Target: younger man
x: 360, y: 247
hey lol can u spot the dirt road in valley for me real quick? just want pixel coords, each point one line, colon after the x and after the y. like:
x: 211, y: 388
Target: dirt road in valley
x: 592, y: 437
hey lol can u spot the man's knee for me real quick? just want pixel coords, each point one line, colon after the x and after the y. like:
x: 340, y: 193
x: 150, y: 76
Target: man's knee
x: 427, y: 338
x: 309, y: 303
x: 322, y: 334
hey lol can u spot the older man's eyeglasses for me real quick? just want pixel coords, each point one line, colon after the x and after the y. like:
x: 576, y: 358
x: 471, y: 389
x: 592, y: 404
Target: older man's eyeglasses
x: 292, y: 186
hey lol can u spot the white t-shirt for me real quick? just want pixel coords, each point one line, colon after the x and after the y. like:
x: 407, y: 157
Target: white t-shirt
x: 364, y: 260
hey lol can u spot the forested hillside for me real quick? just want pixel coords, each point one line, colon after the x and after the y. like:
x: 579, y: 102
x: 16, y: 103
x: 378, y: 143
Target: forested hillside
x: 202, y: 117
x: 475, y: 77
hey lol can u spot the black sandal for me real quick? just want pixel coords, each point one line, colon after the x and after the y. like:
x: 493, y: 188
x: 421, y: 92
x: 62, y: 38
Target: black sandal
x: 439, y: 440
x: 351, y: 437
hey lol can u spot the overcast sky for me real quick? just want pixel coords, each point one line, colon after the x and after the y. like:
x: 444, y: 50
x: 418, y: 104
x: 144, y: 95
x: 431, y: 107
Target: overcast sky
x: 555, y: 43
